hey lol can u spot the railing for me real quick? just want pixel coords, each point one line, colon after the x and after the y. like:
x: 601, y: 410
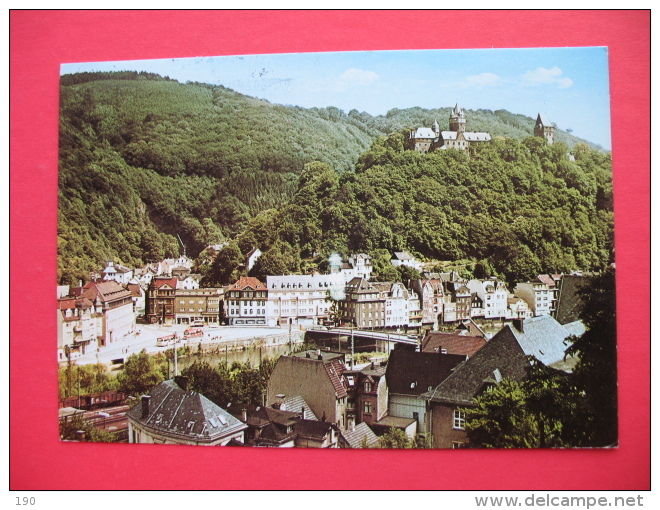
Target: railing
x: 375, y: 335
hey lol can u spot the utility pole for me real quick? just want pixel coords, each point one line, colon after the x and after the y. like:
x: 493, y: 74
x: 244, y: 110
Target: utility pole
x: 352, y: 346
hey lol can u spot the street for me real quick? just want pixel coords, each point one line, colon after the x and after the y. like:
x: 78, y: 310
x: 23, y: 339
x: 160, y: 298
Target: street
x: 145, y: 337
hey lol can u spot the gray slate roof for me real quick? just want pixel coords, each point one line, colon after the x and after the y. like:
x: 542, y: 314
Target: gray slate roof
x: 359, y: 436
x: 542, y: 337
x: 295, y: 404
x: 424, y: 132
x: 502, y: 353
x: 505, y: 355
x: 570, y: 302
x: 185, y: 414
x: 412, y: 373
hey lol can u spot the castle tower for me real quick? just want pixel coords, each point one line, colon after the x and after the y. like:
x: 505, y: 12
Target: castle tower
x: 457, y: 120
x: 544, y: 128
x: 436, y: 127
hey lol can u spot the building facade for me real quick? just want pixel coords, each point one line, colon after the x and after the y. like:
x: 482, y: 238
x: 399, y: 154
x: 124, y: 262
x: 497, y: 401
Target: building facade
x: 301, y: 299
x: 316, y: 376
x: 246, y: 302
x: 197, y: 305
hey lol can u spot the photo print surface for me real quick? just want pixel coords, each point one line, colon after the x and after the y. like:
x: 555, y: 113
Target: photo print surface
x: 386, y: 249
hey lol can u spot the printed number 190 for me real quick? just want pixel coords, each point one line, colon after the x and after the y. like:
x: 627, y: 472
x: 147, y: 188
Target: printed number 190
x: 25, y: 501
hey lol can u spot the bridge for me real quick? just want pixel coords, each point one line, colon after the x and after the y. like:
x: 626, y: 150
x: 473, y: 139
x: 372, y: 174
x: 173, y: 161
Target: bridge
x: 364, y: 334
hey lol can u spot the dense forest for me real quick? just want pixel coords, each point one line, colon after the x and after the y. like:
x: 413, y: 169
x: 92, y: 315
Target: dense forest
x: 145, y: 158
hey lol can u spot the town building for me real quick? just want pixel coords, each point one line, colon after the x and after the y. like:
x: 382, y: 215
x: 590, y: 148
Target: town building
x: 197, y: 305
x: 245, y: 302
x: 363, y: 305
x: 251, y: 258
x: 359, y: 265
x: 397, y: 303
x: 113, y: 308
x: 506, y: 355
x: 553, y: 281
x: 424, y: 290
x: 159, y: 304
x: 117, y: 273
x: 459, y: 343
x: 409, y: 375
x: 316, y: 376
x: 367, y: 394
x: 403, y: 258
x: 494, y: 295
x: 172, y: 414
x: 517, y: 308
x: 537, y: 296
x: 358, y: 436
x: 76, y: 327
x: 301, y: 299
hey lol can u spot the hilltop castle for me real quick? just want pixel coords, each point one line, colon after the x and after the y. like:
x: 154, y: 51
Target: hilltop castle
x: 425, y: 139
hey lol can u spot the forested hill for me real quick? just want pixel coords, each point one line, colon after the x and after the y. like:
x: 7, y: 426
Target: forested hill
x: 143, y: 158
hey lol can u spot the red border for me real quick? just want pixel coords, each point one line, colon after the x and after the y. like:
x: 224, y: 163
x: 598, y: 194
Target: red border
x: 41, y: 40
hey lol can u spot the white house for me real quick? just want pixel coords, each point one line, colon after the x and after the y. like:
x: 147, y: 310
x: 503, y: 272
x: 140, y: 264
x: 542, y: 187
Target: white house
x: 537, y: 296
x: 494, y: 295
x: 117, y: 273
x: 302, y: 299
x: 403, y: 258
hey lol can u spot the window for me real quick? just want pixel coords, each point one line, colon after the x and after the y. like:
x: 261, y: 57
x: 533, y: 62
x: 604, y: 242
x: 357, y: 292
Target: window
x: 367, y: 387
x: 367, y: 407
x: 459, y: 419
x: 457, y: 444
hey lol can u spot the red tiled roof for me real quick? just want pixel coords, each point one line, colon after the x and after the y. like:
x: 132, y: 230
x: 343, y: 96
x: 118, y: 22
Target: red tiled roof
x: 69, y: 303
x: 334, y: 368
x: 248, y: 281
x: 160, y: 282
x: 466, y: 345
x: 106, y: 291
x: 547, y: 279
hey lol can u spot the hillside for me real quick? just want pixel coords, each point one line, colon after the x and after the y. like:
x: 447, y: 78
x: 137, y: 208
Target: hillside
x: 143, y: 158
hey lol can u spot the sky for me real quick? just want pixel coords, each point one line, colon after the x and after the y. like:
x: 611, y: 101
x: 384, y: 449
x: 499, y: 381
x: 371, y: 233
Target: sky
x: 569, y: 85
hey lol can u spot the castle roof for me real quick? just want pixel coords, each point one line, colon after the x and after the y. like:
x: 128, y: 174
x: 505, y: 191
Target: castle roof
x: 423, y: 132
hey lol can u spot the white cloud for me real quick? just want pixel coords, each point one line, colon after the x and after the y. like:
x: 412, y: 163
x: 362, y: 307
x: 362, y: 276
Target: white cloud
x: 475, y: 81
x: 355, y: 78
x: 482, y: 80
x: 543, y: 76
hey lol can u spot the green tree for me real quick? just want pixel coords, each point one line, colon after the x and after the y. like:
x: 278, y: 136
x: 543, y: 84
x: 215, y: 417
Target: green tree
x: 140, y: 374
x: 280, y: 259
x: 396, y: 438
x: 69, y: 431
x: 214, y: 383
x: 595, y: 373
x: 223, y: 269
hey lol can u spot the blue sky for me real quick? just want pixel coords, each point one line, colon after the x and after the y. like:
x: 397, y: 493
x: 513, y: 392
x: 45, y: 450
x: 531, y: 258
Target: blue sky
x: 571, y: 85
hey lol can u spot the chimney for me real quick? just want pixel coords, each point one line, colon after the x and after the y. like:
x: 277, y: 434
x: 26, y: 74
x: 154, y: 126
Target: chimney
x: 145, y: 405
x: 181, y: 381
x: 307, y: 354
x: 302, y: 412
x: 318, y: 354
x: 518, y: 324
x: 244, y: 415
x: 279, y: 400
